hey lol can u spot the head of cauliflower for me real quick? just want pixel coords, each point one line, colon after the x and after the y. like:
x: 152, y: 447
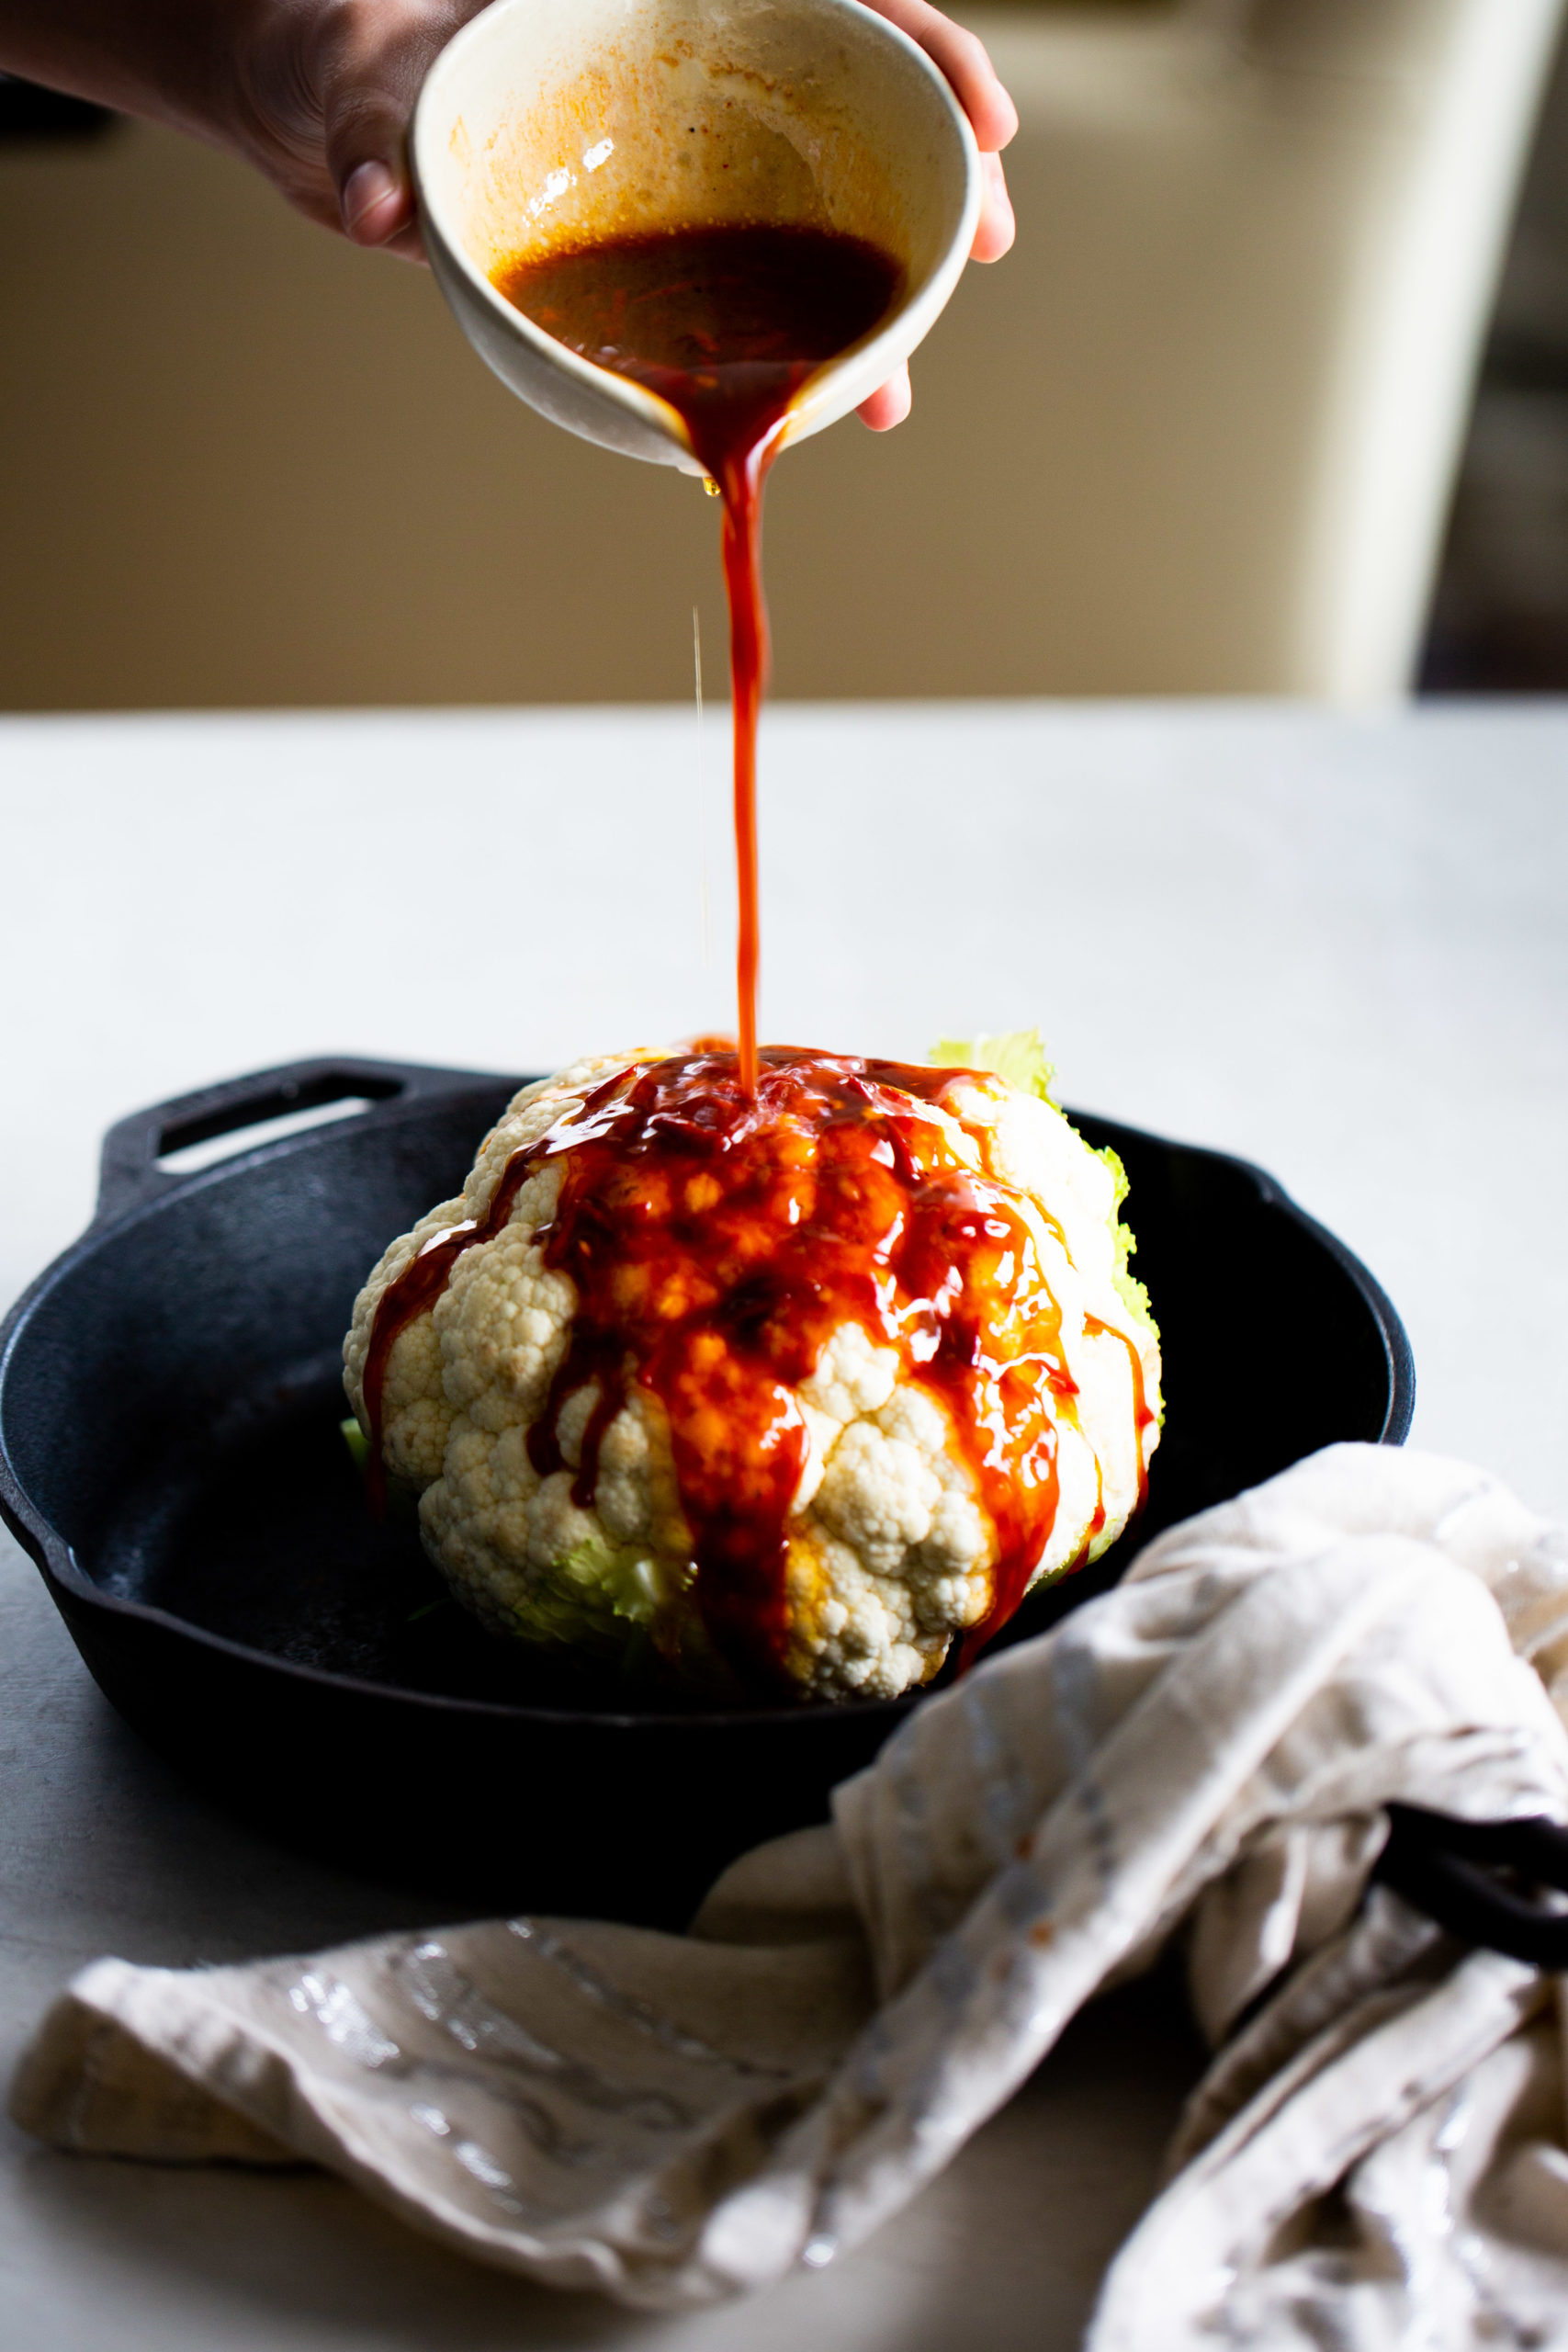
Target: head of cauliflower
x: 787, y: 1395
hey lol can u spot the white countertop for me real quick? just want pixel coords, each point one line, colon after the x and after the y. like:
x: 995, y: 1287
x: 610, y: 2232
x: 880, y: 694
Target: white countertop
x: 1337, y: 946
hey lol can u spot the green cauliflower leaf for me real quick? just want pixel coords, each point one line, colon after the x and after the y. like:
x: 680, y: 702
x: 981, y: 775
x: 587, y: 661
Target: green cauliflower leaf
x: 1018, y: 1056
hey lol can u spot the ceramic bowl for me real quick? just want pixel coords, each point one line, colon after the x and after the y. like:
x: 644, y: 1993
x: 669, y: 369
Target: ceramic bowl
x: 555, y: 122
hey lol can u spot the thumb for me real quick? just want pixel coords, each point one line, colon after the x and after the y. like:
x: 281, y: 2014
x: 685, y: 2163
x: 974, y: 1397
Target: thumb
x: 375, y: 202
x: 381, y: 53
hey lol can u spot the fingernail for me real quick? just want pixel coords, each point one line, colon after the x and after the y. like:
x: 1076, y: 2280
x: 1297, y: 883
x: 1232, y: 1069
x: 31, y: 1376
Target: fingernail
x: 368, y: 193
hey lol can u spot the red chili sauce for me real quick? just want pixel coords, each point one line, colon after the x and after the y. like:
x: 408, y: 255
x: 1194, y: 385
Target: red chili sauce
x: 718, y: 1236
x: 726, y: 324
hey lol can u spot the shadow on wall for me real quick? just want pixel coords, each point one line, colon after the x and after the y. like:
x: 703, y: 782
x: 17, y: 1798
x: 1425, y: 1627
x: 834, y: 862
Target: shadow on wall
x: 251, y: 465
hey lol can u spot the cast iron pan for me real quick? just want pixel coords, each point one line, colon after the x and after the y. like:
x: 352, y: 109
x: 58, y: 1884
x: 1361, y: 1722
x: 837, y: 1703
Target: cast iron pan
x: 170, y: 1456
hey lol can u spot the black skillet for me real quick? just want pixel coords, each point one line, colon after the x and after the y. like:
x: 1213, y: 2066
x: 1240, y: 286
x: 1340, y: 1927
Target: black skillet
x: 170, y: 1456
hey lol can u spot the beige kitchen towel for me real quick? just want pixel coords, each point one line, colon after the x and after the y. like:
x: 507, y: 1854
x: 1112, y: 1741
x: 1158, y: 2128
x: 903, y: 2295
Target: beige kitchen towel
x: 1377, y: 2157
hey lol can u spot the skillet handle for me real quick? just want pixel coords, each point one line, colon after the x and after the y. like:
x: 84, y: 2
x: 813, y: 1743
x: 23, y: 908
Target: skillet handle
x: 129, y: 1170
x: 1471, y: 1877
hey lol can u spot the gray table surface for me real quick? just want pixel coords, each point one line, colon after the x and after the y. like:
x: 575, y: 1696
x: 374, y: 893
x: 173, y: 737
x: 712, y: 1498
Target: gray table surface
x: 1339, y: 946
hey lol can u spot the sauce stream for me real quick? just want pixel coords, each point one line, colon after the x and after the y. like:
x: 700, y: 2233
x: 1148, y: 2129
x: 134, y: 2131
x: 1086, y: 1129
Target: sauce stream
x: 726, y: 324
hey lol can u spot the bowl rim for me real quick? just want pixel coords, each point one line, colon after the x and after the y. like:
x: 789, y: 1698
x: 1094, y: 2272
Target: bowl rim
x: 429, y: 127
x: 74, y: 1590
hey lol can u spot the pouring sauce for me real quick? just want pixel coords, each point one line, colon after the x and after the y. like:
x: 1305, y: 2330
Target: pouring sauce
x: 717, y: 1235
x: 721, y: 1214
x: 726, y: 324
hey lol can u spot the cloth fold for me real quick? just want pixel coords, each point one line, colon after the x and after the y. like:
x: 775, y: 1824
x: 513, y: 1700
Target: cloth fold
x: 1207, y: 1749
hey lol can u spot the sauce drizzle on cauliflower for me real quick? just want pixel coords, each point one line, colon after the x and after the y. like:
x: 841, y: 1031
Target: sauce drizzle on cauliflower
x: 724, y: 1248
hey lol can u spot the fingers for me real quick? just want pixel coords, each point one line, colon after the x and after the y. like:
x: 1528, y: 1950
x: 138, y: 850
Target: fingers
x: 889, y: 405
x: 991, y: 112
x: 962, y: 58
x: 994, y: 120
x: 996, y: 228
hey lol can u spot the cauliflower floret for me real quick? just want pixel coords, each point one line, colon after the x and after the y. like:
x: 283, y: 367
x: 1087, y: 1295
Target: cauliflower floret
x: 890, y: 1551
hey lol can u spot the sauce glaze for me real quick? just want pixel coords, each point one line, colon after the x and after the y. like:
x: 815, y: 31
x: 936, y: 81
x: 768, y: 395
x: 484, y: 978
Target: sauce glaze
x: 717, y: 1236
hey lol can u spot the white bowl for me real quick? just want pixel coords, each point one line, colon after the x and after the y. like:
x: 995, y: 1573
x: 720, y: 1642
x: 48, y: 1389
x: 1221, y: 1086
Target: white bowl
x: 551, y: 122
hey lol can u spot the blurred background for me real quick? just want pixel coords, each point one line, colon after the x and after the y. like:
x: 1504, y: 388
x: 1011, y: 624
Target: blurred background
x: 1281, y: 345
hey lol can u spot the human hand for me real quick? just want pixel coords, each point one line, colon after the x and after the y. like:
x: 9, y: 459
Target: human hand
x: 324, y: 91
x: 994, y: 120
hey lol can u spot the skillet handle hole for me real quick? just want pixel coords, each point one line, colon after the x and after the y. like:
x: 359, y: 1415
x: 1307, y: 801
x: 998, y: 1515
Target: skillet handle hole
x: 182, y: 1153
x: 146, y: 1153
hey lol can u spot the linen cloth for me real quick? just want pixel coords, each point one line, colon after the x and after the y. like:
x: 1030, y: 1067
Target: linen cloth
x: 1376, y: 2157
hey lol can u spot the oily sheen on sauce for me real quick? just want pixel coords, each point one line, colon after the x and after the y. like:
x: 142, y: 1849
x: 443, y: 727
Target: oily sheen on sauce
x: 717, y: 1235
x: 726, y: 324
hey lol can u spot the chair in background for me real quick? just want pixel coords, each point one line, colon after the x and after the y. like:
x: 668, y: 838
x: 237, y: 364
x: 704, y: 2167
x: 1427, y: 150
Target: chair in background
x: 1265, y: 236
x: 1196, y: 434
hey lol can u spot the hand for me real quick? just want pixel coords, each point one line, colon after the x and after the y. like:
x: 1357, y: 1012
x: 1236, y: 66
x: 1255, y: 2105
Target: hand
x: 994, y: 118
x: 324, y: 92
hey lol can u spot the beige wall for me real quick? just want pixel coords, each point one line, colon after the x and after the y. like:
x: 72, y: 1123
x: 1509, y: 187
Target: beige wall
x: 247, y: 464
x: 244, y: 464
